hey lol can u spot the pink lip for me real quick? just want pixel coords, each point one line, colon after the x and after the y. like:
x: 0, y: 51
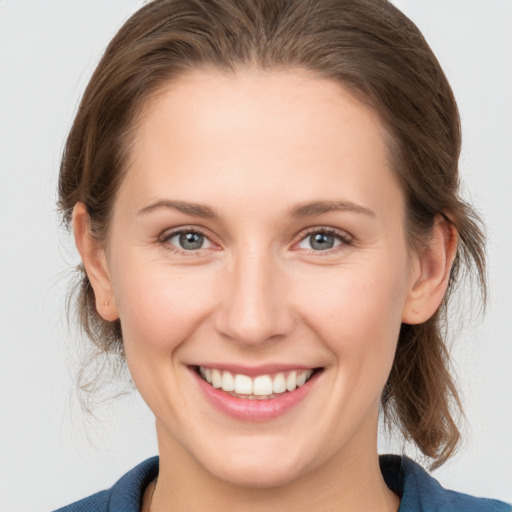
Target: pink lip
x: 254, y: 410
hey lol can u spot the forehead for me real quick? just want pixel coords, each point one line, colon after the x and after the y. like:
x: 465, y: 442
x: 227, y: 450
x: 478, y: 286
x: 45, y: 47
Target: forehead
x: 287, y: 103
x: 210, y: 132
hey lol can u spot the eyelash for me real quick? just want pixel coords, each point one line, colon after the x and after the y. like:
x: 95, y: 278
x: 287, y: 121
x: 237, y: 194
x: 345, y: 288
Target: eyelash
x: 164, y: 240
x: 342, y: 237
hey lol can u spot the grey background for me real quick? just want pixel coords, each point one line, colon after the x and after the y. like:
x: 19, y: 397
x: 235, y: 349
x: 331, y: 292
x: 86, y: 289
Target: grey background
x: 51, y: 453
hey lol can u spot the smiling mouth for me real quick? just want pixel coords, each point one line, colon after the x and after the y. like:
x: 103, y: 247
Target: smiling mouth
x: 262, y: 387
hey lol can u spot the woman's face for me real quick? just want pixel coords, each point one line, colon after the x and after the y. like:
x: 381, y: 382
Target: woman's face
x: 256, y: 241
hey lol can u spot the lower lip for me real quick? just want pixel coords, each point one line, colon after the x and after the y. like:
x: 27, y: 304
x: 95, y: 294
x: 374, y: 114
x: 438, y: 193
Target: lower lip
x: 254, y: 410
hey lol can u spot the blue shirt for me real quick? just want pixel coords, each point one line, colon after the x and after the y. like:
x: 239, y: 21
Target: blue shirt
x: 418, y: 490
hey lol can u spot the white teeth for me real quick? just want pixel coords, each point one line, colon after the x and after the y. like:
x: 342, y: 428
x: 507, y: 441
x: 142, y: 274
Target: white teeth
x: 228, y: 382
x: 291, y: 381
x: 279, y: 384
x: 216, y: 379
x: 261, y: 387
x: 301, y: 379
x: 243, y: 385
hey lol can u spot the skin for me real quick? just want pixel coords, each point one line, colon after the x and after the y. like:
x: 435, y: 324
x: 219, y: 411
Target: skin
x: 252, y: 147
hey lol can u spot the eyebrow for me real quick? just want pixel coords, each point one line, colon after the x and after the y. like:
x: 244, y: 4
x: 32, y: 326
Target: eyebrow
x: 319, y: 207
x: 194, y: 209
x: 309, y: 209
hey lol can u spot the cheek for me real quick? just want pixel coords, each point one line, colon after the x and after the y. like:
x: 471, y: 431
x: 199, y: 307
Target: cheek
x: 357, y: 310
x: 160, y: 306
x: 160, y: 309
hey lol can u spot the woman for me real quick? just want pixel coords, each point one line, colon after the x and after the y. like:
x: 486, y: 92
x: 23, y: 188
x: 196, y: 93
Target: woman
x: 265, y: 198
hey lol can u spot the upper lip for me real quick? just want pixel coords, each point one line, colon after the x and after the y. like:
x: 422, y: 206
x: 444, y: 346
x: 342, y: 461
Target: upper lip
x: 254, y: 371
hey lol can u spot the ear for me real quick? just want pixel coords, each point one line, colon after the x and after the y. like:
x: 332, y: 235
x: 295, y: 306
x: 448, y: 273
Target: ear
x: 430, y: 273
x: 95, y: 264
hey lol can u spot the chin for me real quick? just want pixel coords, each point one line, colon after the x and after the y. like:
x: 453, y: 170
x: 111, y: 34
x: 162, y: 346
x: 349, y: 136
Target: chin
x: 259, y: 475
x: 259, y: 463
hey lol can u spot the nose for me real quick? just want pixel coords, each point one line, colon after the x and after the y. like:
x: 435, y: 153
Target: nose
x: 254, y: 307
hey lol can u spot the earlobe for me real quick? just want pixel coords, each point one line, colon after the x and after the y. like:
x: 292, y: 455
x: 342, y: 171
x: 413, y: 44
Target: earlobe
x: 430, y: 273
x: 95, y: 264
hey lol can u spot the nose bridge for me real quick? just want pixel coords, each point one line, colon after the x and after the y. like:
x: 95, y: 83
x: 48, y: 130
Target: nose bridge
x: 254, y: 308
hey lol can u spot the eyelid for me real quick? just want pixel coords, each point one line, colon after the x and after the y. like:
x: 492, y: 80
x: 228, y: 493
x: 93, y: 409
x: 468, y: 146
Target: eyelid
x: 166, y: 235
x: 345, y: 238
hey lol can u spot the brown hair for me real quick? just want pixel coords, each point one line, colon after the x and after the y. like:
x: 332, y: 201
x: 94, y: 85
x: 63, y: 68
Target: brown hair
x: 368, y: 46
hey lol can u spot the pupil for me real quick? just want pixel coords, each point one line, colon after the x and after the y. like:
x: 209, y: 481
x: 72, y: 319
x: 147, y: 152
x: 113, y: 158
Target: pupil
x: 191, y: 241
x: 321, y: 241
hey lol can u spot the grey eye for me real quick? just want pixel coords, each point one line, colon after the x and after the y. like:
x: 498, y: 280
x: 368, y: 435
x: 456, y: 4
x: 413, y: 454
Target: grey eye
x: 320, y: 241
x: 189, y: 240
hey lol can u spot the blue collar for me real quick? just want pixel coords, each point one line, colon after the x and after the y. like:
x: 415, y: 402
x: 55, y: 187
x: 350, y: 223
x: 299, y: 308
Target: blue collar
x: 418, y: 490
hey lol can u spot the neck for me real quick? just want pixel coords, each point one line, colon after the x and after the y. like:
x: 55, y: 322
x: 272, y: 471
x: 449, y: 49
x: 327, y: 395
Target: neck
x: 348, y: 482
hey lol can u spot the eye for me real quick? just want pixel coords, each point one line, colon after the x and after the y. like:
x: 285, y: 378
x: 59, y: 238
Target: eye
x: 187, y: 240
x: 323, y: 240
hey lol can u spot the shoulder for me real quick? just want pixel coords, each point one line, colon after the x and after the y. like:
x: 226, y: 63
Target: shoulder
x: 96, y: 503
x: 124, y: 496
x: 421, y: 492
